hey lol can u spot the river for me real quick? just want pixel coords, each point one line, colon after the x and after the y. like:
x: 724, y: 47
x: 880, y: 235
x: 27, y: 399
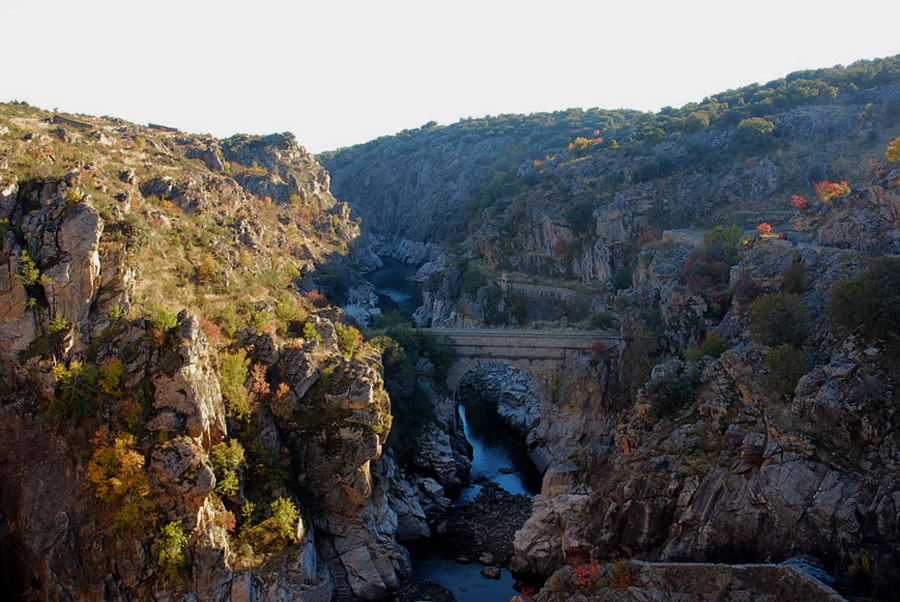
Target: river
x: 394, y: 288
x: 498, y: 455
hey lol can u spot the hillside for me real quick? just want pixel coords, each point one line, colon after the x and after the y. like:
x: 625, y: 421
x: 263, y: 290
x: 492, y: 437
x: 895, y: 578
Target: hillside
x: 178, y: 418
x: 563, y: 199
x: 194, y: 406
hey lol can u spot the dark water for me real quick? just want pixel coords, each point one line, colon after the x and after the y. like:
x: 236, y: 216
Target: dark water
x: 464, y: 580
x: 393, y: 288
x: 494, y: 446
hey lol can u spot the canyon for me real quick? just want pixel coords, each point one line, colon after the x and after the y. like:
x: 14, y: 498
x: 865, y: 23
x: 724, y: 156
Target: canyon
x: 500, y: 359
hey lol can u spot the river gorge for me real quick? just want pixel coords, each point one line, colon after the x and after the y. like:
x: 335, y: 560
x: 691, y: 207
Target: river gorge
x: 499, y: 459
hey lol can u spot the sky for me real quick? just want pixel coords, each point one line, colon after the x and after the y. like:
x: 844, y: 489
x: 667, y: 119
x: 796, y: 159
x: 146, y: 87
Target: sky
x: 341, y: 72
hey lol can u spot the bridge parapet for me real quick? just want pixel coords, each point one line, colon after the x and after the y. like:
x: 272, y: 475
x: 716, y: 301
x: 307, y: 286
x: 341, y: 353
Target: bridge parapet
x: 540, y: 353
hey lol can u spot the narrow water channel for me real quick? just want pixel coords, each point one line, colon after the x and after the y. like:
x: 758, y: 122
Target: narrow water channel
x: 499, y: 455
x: 393, y: 287
x: 495, y: 450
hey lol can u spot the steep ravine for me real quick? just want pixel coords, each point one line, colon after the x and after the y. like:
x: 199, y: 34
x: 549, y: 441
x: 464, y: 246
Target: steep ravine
x: 477, y: 530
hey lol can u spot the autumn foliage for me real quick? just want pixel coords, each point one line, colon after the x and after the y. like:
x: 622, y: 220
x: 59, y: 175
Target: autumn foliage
x: 116, y: 469
x: 828, y: 191
x: 765, y: 230
x: 317, y: 298
x: 800, y: 203
x: 620, y: 575
x: 893, y: 150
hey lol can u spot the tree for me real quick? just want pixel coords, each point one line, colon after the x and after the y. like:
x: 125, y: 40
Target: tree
x: 233, y: 371
x: 778, y: 319
x: 721, y: 243
x: 755, y: 132
x: 172, y: 560
x: 870, y: 301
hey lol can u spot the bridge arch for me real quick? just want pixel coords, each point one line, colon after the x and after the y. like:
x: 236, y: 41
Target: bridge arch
x: 538, y: 353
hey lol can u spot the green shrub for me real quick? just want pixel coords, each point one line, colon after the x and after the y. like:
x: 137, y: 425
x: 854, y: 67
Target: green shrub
x: 668, y: 394
x: 161, y: 316
x: 58, y: 324
x: 392, y: 354
x: 713, y: 346
x: 473, y: 279
x: 870, y: 301
x: 28, y: 274
x: 781, y: 318
x: 786, y: 365
x: 290, y: 312
x: 348, y: 338
x: 226, y: 458
x: 722, y: 244
x: 172, y: 559
x: 390, y: 319
x: 233, y: 371
x: 283, y: 522
x: 311, y: 333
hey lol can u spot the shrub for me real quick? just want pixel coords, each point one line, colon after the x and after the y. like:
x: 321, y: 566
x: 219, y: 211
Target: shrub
x: 746, y: 290
x: 317, y: 299
x: 283, y: 523
x: 233, y: 372
x: 172, y: 559
x: 160, y: 316
x: 668, y: 394
x: 291, y: 313
x: 786, y: 364
x: 755, y: 132
x: 348, y: 338
x: 602, y: 320
x: 621, y: 278
x: 793, y: 279
x: 392, y: 318
x: 473, y: 279
x: 870, y: 301
x: 828, y: 191
x: 112, y: 374
x: 893, y: 151
x: 721, y: 243
x: 28, y: 274
x: 311, y: 333
x: 713, y: 346
x: 226, y: 458
x: 597, y: 347
x: 781, y: 318
x: 58, y: 324
x: 209, y: 269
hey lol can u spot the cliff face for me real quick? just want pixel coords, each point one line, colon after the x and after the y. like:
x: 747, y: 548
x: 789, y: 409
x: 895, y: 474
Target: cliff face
x: 178, y: 420
x: 734, y: 471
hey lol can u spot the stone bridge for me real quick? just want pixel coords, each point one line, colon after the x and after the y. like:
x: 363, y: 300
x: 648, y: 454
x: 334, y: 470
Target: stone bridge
x: 538, y: 353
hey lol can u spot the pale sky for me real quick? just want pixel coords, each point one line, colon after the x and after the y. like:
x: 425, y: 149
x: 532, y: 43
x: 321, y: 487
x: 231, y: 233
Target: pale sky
x: 340, y: 72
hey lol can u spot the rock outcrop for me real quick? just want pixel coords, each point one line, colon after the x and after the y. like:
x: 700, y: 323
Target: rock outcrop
x: 175, y: 445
